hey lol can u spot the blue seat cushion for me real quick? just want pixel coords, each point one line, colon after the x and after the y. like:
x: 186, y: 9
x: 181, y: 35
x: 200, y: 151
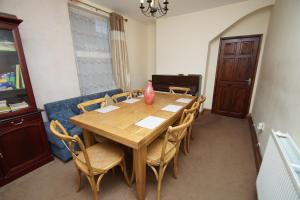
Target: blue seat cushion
x: 63, y: 117
x: 75, y: 131
x: 57, y: 142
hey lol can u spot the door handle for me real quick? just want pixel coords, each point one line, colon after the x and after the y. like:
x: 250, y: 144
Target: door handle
x: 249, y: 81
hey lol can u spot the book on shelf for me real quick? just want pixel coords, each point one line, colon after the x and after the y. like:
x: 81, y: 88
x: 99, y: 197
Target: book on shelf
x: 12, y: 80
x: 17, y: 106
x: 3, y: 107
x: 7, y: 46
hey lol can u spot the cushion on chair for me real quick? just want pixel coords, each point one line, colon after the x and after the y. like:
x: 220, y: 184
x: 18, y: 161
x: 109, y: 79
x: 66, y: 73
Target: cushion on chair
x: 102, y: 156
x: 154, y: 151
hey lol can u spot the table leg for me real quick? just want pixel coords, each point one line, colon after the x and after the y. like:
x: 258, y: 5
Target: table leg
x: 88, y: 138
x: 139, y: 159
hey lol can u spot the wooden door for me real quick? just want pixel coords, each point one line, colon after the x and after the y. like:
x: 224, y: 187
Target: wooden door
x: 235, y: 75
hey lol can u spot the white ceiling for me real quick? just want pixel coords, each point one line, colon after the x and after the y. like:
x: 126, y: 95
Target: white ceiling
x: 176, y: 7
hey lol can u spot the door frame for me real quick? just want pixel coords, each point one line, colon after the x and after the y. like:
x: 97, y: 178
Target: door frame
x: 260, y: 36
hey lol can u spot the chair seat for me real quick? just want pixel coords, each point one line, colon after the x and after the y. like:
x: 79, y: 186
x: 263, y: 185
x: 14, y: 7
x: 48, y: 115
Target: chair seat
x: 103, y: 157
x: 155, y: 149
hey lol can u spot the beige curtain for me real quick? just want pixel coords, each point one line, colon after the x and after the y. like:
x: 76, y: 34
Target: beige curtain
x: 119, y: 52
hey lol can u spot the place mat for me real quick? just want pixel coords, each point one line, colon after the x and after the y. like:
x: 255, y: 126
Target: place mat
x: 184, y: 100
x: 171, y: 108
x: 150, y: 122
x: 131, y: 101
x: 107, y: 109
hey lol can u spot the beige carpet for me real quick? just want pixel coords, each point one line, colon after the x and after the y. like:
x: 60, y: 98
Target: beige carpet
x: 219, y: 167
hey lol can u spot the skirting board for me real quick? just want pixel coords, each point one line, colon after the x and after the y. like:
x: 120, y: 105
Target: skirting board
x: 257, y: 155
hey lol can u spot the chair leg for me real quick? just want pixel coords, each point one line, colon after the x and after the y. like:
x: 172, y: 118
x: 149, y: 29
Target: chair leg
x: 123, y: 167
x: 185, y: 147
x: 175, y: 166
x: 79, y: 180
x: 160, y: 177
x: 188, y: 142
x: 93, y: 186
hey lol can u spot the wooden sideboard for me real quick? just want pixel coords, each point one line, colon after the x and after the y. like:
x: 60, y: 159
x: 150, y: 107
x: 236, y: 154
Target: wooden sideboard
x: 163, y: 82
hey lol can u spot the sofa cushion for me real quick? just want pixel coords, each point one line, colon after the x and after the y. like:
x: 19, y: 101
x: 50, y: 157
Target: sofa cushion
x: 75, y: 131
x: 63, y: 117
x: 52, y: 138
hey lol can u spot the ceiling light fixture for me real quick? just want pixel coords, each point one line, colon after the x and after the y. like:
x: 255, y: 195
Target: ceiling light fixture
x: 154, y: 8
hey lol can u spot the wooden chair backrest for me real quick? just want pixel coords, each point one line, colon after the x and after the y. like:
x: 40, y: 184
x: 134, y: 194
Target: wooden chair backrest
x: 193, y: 110
x: 137, y: 92
x: 176, y: 134
x: 82, y: 106
x: 182, y: 90
x: 115, y: 97
x: 60, y: 132
x: 200, y: 101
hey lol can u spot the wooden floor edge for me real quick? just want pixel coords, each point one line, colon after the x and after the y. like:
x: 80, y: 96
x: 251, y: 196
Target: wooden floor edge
x: 257, y: 155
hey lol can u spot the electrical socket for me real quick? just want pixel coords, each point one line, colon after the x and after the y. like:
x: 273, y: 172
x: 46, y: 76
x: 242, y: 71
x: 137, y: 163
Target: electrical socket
x: 260, y: 126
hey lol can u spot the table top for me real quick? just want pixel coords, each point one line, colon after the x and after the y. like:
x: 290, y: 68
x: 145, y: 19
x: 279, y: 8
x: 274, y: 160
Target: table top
x: 119, y: 125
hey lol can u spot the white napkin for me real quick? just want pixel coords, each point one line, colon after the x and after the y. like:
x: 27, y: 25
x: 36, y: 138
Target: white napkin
x: 150, y: 122
x: 131, y: 101
x: 171, y: 108
x: 184, y: 100
x: 141, y: 96
x: 107, y: 109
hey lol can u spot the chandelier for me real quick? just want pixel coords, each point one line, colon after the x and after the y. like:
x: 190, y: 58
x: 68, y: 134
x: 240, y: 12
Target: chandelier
x: 154, y: 8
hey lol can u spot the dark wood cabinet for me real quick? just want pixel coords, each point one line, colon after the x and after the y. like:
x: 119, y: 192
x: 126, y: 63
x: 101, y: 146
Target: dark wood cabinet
x: 23, y: 141
x: 163, y: 82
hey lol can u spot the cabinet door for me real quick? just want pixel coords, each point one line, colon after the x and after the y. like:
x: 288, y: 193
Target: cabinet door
x: 22, y: 143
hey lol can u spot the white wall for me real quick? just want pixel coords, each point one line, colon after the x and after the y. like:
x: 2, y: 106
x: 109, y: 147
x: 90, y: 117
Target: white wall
x: 151, y: 50
x: 182, y: 41
x: 48, y: 48
x: 278, y: 92
x: 255, y: 23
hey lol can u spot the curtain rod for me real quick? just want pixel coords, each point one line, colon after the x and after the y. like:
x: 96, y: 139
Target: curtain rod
x: 97, y: 9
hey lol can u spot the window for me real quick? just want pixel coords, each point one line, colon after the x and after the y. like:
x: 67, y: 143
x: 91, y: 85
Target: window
x: 91, y: 39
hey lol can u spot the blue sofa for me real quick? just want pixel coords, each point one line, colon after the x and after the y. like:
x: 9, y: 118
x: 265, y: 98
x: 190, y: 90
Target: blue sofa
x: 62, y: 111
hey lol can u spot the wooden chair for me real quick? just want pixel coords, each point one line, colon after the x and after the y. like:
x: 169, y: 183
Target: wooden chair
x: 137, y: 92
x: 116, y: 97
x: 163, y: 150
x: 200, y: 100
x: 83, y: 107
x: 93, y: 161
x: 193, y: 110
x: 179, y: 90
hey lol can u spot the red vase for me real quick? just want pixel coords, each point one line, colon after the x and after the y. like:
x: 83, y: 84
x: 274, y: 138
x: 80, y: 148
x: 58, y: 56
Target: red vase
x: 149, y: 94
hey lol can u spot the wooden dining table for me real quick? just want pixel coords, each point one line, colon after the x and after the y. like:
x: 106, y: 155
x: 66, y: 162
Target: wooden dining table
x: 120, y: 126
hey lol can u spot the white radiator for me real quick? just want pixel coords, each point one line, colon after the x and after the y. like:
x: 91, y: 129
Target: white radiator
x: 279, y: 175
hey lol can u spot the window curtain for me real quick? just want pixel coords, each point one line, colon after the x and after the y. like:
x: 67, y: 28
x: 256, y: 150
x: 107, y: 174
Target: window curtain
x: 119, y: 52
x: 91, y: 39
